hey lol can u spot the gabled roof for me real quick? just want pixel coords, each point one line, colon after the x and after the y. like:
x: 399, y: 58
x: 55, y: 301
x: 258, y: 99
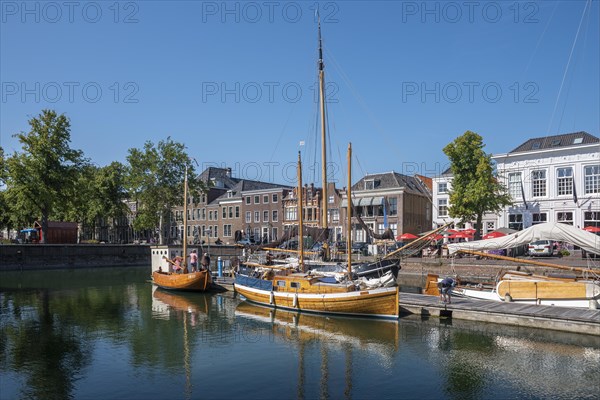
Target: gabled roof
x: 392, y: 180
x: 550, y: 142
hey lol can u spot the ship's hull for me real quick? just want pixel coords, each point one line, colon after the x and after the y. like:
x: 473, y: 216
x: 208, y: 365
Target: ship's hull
x: 195, y: 281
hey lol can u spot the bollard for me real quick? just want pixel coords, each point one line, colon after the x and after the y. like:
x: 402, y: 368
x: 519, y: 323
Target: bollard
x: 220, y: 266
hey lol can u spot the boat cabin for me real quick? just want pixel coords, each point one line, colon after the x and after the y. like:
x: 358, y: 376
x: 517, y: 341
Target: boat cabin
x: 305, y: 283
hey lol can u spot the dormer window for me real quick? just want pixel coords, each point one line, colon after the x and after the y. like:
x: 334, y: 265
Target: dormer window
x: 229, y: 194
x: 535, y: 145
x: 578, y: 140
x: 555, y: 143
x: 369, y: 184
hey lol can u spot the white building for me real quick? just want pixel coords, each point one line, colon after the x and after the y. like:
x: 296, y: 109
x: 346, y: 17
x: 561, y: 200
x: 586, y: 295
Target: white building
x: 441, y: 203
x: 552, y: 179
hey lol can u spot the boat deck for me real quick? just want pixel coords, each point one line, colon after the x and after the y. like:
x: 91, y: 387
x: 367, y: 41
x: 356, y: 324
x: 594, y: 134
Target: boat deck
x: 527, y: 315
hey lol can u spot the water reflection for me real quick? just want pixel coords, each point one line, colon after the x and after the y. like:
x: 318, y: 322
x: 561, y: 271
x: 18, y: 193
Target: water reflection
x: 109, y: 334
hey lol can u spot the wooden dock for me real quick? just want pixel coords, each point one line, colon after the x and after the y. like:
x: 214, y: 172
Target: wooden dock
x: 527, y: 315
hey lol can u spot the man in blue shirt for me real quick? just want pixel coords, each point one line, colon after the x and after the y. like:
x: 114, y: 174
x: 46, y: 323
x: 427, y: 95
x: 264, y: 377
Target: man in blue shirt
x: 446, y: 289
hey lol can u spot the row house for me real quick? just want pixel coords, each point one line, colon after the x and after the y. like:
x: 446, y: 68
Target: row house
x: 231, y: 209
x: 390, y: 200
x: 550, y: 179
x: 312, y: 206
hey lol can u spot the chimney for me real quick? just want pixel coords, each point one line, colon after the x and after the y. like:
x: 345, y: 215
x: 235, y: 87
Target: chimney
x: 228, y: 173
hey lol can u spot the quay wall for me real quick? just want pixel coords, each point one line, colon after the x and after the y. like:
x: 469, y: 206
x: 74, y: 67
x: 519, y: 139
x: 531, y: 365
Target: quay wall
x: 15, y: 257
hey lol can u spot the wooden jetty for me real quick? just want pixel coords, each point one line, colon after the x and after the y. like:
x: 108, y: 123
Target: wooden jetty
x: 527, y: 315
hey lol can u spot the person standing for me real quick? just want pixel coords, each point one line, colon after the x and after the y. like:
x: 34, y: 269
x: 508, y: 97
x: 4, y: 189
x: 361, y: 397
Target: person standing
x: 205, y: 261
x: 194, y: 260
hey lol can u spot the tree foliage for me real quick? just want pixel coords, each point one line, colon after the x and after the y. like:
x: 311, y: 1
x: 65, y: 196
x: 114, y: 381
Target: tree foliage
x: 155, y: 182
x: 41, y: 176
x: 475, y: 187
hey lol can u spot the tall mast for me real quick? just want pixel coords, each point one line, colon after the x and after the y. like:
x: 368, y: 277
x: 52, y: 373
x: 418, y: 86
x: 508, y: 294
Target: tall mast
x: 349, y: 211
x: 324, y: 222
x: 300, y: 207
x: 185, y: 217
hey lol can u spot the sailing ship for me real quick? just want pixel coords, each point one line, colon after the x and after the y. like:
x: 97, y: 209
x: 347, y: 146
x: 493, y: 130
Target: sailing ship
x: 307, y: 292
x: 581, y: 291
x: 170, y: 278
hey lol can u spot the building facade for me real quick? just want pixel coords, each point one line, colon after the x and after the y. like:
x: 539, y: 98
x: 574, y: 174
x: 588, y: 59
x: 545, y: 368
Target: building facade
x: 552, y: 179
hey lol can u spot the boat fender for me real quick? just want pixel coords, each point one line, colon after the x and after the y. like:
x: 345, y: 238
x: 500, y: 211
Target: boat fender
x: 295, y: 302
x: 508, y: 298
x: 272, y: 298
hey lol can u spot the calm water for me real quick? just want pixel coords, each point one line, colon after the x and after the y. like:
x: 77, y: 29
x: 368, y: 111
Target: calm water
x: 107, y: 333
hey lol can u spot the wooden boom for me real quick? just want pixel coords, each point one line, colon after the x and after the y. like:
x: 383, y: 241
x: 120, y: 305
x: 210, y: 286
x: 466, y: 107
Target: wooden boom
x: 422, y: 238
x: 537, y: 263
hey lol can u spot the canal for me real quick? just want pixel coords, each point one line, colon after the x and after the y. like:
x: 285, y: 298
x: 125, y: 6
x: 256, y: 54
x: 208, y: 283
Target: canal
x: 108, y: 334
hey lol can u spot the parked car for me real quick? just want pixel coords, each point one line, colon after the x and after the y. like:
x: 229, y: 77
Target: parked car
x: 289, y: 245
x: 541, y: 248
x: 246, y: 242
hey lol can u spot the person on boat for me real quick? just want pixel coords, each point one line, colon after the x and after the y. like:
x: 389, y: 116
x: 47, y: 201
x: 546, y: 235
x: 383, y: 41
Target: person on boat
x: 194, y: 260
x: 177, y: 265
x: 218, y: 241
x: 446, y: 289
x: 205, y: 261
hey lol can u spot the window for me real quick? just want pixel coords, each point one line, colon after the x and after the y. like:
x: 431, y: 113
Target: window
x: 490, y: 226
x: 515, y: 221
x: 237, y: 211
x: 394, y: 228
x: 265, y: 199
x: 210, y: 215
x: 275, y: 198
x: 380, y: 228
x: 266, y: 216
x: 578, y: 140
x: 592, y: 179
x: 275, y: 216
x: 564, y: 181
x: 291, y: 213
x: 227, y: 230
x: 248, y: 217
x: 215, y: 231
x: 538, y: 183
x: 331, y: 199
x: 443, y: 187
x: 224, y: 212
x: 335, y: 214
x: 295, y: 285
x: 256, y: 216
x: 565, y: 217
x: 393, y: 203
x: 281, y: 283
x: 370, y: 184
x: 535, y: 145
x: 442, y: 207
x: 274, y: 234
x: 514, y: 185
x: 230, y: 209
x: 247, y: 199
x: 539, y: 218
x: 256, y: 199
x: 203, y: 214
x: 591, y: 218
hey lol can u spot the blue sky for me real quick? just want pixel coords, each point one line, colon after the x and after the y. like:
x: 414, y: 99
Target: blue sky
x: 235, y: 81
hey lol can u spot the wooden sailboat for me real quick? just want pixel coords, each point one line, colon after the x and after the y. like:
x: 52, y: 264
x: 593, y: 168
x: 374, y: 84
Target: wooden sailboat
x: 309, y: 293
x: 581, y: 291
x: 198, y: 281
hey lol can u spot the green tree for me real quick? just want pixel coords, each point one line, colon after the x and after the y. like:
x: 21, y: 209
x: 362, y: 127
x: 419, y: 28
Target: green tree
x: 475, y: 186
x: 155, y: 182
x: 99, y: 194
x: 41, y: 176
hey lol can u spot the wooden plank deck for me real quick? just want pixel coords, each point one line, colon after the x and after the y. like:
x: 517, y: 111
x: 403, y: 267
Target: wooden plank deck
x: 528, y: 315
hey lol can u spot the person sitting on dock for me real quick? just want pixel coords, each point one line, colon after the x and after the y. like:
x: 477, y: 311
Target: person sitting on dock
x: 446, y: 289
